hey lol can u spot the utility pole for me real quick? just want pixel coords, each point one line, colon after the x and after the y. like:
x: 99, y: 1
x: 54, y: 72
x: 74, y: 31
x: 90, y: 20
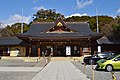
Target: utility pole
x: 22, y: 22
x: 98, y: 47
x: 97, y: 20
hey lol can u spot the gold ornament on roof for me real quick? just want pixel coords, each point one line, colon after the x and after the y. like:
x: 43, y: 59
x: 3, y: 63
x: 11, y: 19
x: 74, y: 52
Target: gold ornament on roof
x: 59, y: 24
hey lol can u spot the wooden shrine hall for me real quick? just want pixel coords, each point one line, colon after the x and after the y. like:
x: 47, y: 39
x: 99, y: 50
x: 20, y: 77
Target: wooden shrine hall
x: 59, y: 38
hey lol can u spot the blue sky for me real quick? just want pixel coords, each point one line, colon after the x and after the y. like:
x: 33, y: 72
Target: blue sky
x: 11, y: 10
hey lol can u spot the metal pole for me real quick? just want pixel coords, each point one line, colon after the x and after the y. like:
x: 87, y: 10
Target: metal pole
x: 97, y: 20
x: 92, y: 73
x: 84, y: 68
x: 22, y: 22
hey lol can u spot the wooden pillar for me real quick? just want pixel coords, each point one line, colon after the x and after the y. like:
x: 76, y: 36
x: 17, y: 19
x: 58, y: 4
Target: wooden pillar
x: 27, y: 51
x: 38, y: 52
x: 93, y: 46
x: 81, y: 52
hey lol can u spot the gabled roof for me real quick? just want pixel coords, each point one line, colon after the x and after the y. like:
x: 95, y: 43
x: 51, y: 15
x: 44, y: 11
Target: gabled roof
x: 59, y: 23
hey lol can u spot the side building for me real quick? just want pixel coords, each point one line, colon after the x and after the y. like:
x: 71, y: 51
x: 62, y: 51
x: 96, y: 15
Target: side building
x: 12, y: 46
x: 108, y: 44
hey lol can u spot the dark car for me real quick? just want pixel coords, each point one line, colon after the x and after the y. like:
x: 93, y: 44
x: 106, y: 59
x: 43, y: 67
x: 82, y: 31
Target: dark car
x: 94, y: 58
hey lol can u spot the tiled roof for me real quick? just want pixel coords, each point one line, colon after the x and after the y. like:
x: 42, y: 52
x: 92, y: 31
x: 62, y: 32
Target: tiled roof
x: 40, y: 30
x: 11, y: 41
x: 106, y: 40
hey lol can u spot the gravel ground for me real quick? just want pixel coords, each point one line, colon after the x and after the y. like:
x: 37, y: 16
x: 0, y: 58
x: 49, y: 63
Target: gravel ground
x: 17, y: 75
x: 16, y: 63
x: 21, y: 63
x: 98, y: 75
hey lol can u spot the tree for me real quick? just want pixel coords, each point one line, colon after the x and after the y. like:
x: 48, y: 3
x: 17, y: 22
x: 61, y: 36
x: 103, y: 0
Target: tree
x: 116, y: 27
x: 93, y: 24
x: 117, y: 20
x: 104, y: 23
x: 46, y: 15
x: 16, y: 28
x: 116, y: 31
x: 78, y: 19
x: 7, y: 33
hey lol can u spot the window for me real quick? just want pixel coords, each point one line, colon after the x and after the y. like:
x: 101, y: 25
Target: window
x: 118, y: 58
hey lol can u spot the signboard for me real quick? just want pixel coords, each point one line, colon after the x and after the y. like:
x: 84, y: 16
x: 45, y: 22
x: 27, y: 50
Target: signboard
x: 99, y: 48
x: 68, y: 50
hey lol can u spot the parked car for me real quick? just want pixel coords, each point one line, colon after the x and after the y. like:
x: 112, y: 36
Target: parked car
x: 103, y: 60
x: 109, y: 65
x: 94, y: 58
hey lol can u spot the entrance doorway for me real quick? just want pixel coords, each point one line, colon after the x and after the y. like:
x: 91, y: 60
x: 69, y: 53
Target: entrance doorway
x: 59, y: 51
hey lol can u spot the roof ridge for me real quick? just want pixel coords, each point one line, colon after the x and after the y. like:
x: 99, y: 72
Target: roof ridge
x: 41, y: 22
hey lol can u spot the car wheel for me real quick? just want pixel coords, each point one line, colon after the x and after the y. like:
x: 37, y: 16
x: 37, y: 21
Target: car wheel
x: 109, y: 68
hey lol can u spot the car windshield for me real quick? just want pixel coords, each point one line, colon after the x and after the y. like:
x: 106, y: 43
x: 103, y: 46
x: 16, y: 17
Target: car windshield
x: 112, y: 56
x: 106, y: 54
x: 109, y: 53
x: 100, y: 55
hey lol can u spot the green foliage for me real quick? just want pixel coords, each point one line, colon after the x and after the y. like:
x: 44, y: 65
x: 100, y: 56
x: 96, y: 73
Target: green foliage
x: 92, y: 23
x: 117, y: 20
x: 78, y: 19
x: 46, y: 15
x: 16, y: 28
x: 7, y: 33
x: 116, y: 31
x: 104, y: 23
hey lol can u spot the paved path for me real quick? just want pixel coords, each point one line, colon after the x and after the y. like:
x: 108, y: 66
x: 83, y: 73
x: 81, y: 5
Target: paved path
x: 60, y: 70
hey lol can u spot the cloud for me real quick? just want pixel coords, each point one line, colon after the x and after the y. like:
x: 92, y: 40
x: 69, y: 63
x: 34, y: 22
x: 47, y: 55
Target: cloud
x: 118, y: 10
x: 83, y: 3
x: 38, y: 8
x: 2, y: 25
x: 77, y: 14
x: 17, y: 18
